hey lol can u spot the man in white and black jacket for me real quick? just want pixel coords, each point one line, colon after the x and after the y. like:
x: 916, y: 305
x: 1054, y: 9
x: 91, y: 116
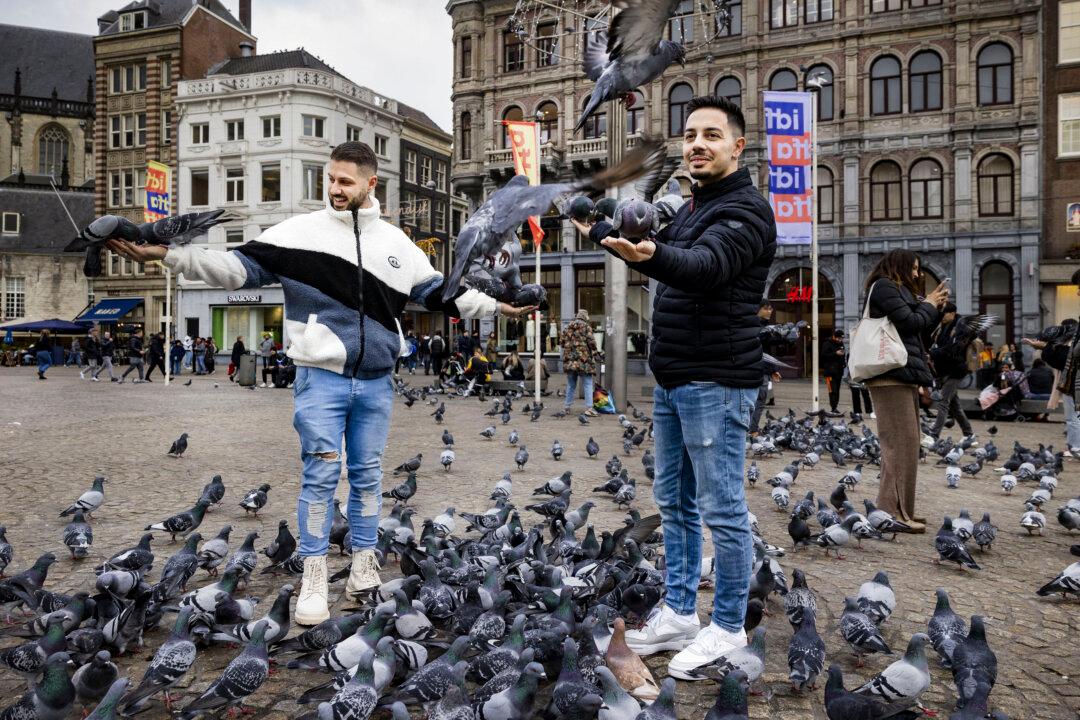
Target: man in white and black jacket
x: 346, y: 275
x: 711, y: 264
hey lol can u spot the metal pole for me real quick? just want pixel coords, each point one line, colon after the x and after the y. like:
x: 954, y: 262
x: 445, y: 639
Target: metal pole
x: 168, y: 322
x: 615, y: 276
x: 814, y: 350
x: 537, y: 355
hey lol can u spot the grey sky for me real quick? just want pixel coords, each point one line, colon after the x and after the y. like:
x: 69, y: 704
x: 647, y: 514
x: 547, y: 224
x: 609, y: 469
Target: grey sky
x: 400, y: 48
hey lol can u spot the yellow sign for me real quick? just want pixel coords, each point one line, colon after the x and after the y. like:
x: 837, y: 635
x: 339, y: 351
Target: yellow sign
x: 158, y: 191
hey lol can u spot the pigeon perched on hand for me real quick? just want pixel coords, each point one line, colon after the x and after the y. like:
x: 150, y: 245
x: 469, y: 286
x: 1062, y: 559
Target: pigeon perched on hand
x: 173, y: 230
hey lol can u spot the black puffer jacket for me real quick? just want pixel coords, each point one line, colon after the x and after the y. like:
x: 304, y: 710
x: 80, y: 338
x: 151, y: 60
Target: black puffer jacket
x: 914, y: 319
x: 712, y: 263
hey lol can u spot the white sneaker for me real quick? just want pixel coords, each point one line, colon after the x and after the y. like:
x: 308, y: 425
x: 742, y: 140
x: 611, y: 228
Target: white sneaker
x: 928, y: 441
x: 364, y: 574
x: 262, y: 385
x: 82, y: 375
x: 712, y: 642
x: 95, y: 379
x: 664, y: 630
x: 873, y: 416
x: 312, y: 607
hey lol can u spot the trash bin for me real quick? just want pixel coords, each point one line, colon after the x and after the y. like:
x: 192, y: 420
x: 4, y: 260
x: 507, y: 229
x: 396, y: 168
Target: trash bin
x: 245, y: 374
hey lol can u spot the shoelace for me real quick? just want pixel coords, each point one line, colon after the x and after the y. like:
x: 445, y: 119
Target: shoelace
x: 317, y: 580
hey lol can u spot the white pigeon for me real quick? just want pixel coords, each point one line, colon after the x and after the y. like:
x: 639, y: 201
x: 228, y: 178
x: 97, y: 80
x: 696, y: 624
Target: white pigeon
x: 1008, y: 482
x: 444, y: 523
x: 964, y: 526
x: 876, y: 598
x: 900, y: 685
x: 1032, y: 520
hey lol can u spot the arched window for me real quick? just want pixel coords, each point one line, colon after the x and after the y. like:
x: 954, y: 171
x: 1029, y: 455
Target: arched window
x: 885, y: 86
x: 466, y: 136
x: 826, y: 196
x: 548, y: 117
x: 595, y: 124
x: 924, y: 189
x: 995, y: 174
x: 996, y: 298
x: 52, y: 151
x: 511, y: 113
x: 678, y: 98
x: 925, y: 83
x: 822, y: 76
x: 995, y: 70
x: 784, y: 79
x: 730, y: 88
x: 886, y: 197
x: 635, y: 114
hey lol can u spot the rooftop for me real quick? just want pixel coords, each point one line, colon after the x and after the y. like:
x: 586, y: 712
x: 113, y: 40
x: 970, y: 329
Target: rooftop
x: 44, y: 227
x: 161, y: 13
x: 46, y: 59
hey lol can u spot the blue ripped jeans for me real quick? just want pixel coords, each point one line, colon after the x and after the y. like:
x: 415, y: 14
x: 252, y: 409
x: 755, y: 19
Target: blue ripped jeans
x: 330, y: 406
x: 700, y: 437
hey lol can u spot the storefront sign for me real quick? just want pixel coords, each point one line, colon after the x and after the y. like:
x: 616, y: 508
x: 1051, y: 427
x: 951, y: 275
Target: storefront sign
x: 243, y: 298
x: 157, y: 192
x: 800, y: 293
x: 788, y: 132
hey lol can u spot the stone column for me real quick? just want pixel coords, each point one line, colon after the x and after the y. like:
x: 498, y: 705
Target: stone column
x: 964, y: 280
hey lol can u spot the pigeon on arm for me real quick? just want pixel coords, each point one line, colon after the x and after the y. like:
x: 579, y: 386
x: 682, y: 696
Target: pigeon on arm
x: 174, y: 230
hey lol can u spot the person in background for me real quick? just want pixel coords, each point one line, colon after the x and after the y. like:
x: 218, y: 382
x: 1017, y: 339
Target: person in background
x: 414, y: 350
x: 1004, y: 355
x: 765, y: 314
x: 1016, y: 356
x: 464, y: 344
x: 188, y: 345
x: 93, y: 354
x: 1040, y: 381
x: 75, y: 355
x: 478, y: 367
x: 200, y: 355
x: 491, y: 349
x: 238, y: 351
x: 860, y: 398
x: 579, y: 360
x: 512, y: 368
x: 1055, y: 353
x: 266, y: 349
x: 108, y: 349
x: 210, y: 356
x: 832, y: 366
x: 135, y: 356
x: 530, y: 375
x: 43, y: 349
x: 949, y: 365
x: 176, y: 358
x: 156, y: 355
x: 425, y: 353
x: 437, y: 347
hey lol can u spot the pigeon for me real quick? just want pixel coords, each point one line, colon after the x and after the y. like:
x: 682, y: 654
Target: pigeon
x: 411, y: 465
x: 963, y: 526
x: 172, y: 230
x: 179, y: 446
x: 90, y: 500
x: 516, y: 701
x: 984, y: 532
x: 521, y: 457
x: 748, y: 659
x: 139, y: 558
x: 618, y: 703
x: 901, y: 683
x: 182, y: 523
x: 325, y: 635
x: 277, y: 622
x: 513, y: 437
x: 404, y: 490
x: 6, y: 551
x: 800, y: 599
x: 94, y: 679
x: 444, y: 523
x: 630, y: 54
x: 882, y: 521
x: 730, y: 703
x: 78, y: 536
x: 187, y: 383
x: 356, y: 699
x: 242, y: 676
x: 1032, y: 520
x: 214, y: 491
x: 447, y: 438
x: 860, y: 632
x: 51, y: 699
x: 446, y: 459
x: 490, y: 229
x: 346, y: 652
x: 178, y: 569
x: 663, y: 707
x: 952, y: 477
x: 836, y: 536
x: 29, y: 658
x: 1069, y: 518
x: 556, y: 450
x: 841, y: 704
x: 973, y: 660
x: 627, y: 667
x: 949, y: 547
x: 591, y: 448
x: 1067, y: 582
x: 245, y: 559
x: 170, y: 663
x: 107, y: 708
x: 945, y: 628
x: 1008, y: 482
x: 806, y: 655
x: 876, y: 598
x: 488, y: 433
x: 555, y: 486
x: 215, y: 550
x: 255, y: 500
x: 430, y: 682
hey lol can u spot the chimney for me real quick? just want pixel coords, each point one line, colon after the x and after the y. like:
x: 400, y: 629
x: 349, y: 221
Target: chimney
x: 247, y: 48
x: 245, y: 15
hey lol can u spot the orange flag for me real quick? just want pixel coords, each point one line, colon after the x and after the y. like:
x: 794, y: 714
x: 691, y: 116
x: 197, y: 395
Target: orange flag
x: 525, y: 145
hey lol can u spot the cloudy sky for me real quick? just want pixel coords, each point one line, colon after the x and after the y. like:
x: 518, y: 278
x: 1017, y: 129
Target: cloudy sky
x: 399, y: 48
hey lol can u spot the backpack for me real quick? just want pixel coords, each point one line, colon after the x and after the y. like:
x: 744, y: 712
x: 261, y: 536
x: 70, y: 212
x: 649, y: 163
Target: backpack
x: 437, y: 345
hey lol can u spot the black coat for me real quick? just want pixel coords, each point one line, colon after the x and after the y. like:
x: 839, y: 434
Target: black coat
x: 712, y: 263
x: 831, y: 363
x: 913, y: 319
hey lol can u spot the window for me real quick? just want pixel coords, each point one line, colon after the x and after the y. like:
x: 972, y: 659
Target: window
x: 425, y: 170
x: 440, y: 217
x: 825, y: 194
x: 200, y: 186
x: 732, y: 24
x: 466, y: 57
x: 547, y: 44
x: 11, y: 223
x: 548, y: 117
x: 731, y: 89
x: 166, y: 71
x: 271, y: 182
x: 52, y: 151
x: 140, y: 129
x: 200, y: 133
x: 924, y: 3
x: 924, y: 189
x: 681, y: 24
x: 234, y: 184
x: 132, y: 21
x: 352, y: 133
x: 884, y: 5
x: 512, y: 113
x: 819, y: 11
x: 886, y: 201
x: 271, y: 126
x: 635, y: 115
x: 822, y: 76
x: 233, y: 237
x: 1068, y: 32
x: 127, y: 78
x: 885, y: 86
x: 410, y: 166
x: 14, y: 297
x: 995, y: 74
x: 115, y: 133
x: 380, y: 196
x: 313, y: 126
x: 440, y: 176
x: 115, y: 189
x: 313, y: 182
x: 166, y: 127
x: 678, y: 99
x: 381, y: 145
x: 783, y: 13
x: 1069, y: 124
x: 129, y: 124
x: 466, y: 136
x: 784, y: 80
x: 925, y: 82
x: 995, y: 186
x: 997, y: 298
x: 234, y: 130
x: 513, y: 52
x: 596, y: 124
x: 128, y: 185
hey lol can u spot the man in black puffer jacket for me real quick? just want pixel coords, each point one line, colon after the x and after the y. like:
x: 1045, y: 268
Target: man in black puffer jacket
x: 711, y: 264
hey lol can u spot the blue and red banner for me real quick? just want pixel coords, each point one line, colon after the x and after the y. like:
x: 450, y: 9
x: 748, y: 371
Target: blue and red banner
x: 157, y: 192
x: 788, y: 131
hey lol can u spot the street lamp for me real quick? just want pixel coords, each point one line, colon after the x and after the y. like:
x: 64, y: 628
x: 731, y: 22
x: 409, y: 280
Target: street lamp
x: 814, y: 83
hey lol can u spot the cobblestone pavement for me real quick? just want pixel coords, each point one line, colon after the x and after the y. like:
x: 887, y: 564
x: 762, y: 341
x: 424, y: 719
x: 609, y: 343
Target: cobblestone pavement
x: 56, y: 435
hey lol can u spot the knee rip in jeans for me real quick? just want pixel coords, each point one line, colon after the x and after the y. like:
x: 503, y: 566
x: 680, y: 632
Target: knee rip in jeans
x: 316, y: 518
x: 369, y: 503
x: 330, y: 457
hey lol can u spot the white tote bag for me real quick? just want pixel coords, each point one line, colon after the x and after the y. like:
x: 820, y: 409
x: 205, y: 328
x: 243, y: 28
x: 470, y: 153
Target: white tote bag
x: 876, y: 347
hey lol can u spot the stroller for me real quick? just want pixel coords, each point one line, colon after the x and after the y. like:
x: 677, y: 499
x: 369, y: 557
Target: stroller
x: 457, y: 381
x: 1003, y: 403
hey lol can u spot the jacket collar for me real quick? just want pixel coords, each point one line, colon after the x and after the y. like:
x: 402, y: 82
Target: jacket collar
x: 705, y: 193
x: 366, y: 216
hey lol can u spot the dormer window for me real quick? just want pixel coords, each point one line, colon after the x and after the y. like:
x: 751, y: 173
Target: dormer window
x: 11, y: 223
x: 133, y: 21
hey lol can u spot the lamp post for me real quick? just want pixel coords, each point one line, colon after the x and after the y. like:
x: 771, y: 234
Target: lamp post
x: 814, y: 85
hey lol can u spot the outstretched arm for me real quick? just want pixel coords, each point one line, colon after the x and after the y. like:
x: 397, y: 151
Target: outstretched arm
x: 231, y: 269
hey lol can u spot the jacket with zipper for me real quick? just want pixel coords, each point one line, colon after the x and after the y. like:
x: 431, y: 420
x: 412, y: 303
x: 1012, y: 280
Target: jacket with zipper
x: 346, y: 281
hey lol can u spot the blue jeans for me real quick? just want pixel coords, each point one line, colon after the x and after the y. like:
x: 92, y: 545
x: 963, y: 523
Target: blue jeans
x: 200, y: 365
x: 44, y: 360
x: 700, y: 436
x: 175, y: 368
x: 329, y: 406
x: 187, y: 359
x: 1072, y: 421
x: 571, y: 388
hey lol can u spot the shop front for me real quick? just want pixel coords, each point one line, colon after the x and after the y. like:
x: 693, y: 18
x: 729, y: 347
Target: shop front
x: 226, y: 314
x: 792, y: 298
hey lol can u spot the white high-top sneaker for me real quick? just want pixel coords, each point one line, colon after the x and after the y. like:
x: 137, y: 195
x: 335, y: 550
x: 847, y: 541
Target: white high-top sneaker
x: 664, y: 630
x: 312, y: 607
x: 711, y: 642
x: 364, y: 574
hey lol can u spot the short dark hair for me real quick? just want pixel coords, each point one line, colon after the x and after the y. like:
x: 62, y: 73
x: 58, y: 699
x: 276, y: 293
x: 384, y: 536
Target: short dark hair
x: 1038, y: 362
x: 356, y: 152
x: 950, y: 307
x: 734, y: 112
x: 764, y: 304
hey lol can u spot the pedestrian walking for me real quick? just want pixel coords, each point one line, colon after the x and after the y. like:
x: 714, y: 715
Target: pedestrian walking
x: 188, y: 357
x: 156, y: 355
x: 43, y: 350
x: 438, y: 350
x: 176, y: 357
x: 579, y: 360
x: 93, y: 354
x: 238, y: 351
x: 108, y: 350
x: 135, y: 356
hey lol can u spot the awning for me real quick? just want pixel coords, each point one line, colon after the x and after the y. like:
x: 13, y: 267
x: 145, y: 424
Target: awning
x: 110, y: 309
x: 55, y: 325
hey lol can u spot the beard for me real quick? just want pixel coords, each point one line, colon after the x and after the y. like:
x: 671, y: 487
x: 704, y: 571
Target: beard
x: 355, y: 202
